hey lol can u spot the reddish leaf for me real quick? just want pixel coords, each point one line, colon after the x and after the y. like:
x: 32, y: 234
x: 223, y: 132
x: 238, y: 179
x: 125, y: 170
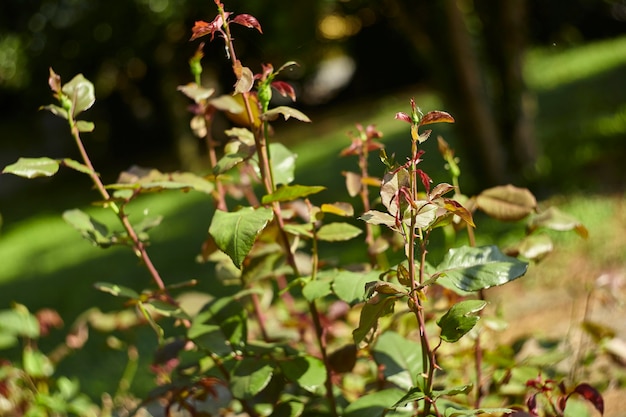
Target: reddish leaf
x: 592, y: 395
x: 202, y: 28
x: 455, y: 207
x: 248, y: 21
x: 531, y: 403
x: 426, y: 181
x: 436, y: 117
x: 284, y: 89
x: 441, y: 189
x: 403, y: 116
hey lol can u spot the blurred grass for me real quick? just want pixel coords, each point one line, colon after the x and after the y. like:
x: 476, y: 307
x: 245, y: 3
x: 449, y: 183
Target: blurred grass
x: 581, y: 125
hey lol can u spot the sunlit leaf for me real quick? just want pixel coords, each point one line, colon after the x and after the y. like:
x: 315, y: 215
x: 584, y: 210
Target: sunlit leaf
x: 401, y: 359
x: 36, y: 364
x: 33, y: 167
x: 318, y: 289
x: 153, y: 180
x: 235, y: 232
x: 196, y: 92
x: 307, y: 371
x: 457, y: 209
x: 283, y: 163
x: 226, y: 103
x: 81, y: 92
x: 353, y: 183
x: 291, y: 192
x: 17, y: 322
x: 460, y: 319
x: 286, y: 112
x: 245, y: 82
x: 436, y: 116
x: 56, y: 110
x: 534, y: 246
x: 116, y: 290
x: 555, y: 219
x: 338, y: 232
x: 377, y: 217
x: 507, y: 202
x: 339, y: 208
x: 75, y: 165
x: 85, y: 126
x: 91, y: 229
x: 454, y: 412
x: 472, y: 269
x: 349, y: 286
x: 248, y: 21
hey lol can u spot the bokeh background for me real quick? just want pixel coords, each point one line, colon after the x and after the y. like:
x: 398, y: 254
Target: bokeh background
x: 538, y: 89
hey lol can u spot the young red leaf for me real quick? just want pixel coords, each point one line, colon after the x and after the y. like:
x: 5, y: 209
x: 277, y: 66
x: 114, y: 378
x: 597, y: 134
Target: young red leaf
x: 284, y: 89
x: 436, y: 117
x: 592, y: 395
x: 426, y: 181
x: 403, y: 116
x: 248, y: 21
x: 202, y: 28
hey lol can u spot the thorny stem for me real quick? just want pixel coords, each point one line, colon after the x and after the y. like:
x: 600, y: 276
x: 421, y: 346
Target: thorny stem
x: 138, y: 245
x: 268, y: 182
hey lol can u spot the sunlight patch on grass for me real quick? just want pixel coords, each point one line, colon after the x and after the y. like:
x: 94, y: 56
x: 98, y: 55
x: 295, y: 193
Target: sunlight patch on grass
x: 548, y: 68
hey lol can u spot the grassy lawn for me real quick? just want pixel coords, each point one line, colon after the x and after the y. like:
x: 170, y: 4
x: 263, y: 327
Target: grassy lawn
x: 581, y: 125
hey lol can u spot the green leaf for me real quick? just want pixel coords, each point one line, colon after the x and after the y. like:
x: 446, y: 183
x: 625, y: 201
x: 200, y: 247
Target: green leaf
x: 117, y: 290
x: 473, y: 269
x: 81, y: 91
x: 350, y: 286
x: 92, y: 230
x: 196, y: 92
x: 286, y: 112
x: 235, y: 232
x: 289, y: 406
x: 291, y: 192
x: 283, y: 163
x: 33, y: 167
x: 249, y: 377
x: 376, y: 404
x: 338, y: 232
x: 460, y: 319
x: 56, y: 110
x: 85, y: 126
x: 506, y: 202
x: 317, y: 289
x: 151, y: 180
x: 17, y: 322
x: 555, y: 219
x: 220, y: 327
x: 168, y: 310
x: 413, y: 395
x: 307, y: 371
x: 240, y: 148
x: 378, y: 217
x: 452, y: 412
x: 36, y: 364
x: 371, y: 312
x: 402, y: 359
x: 77, y: 166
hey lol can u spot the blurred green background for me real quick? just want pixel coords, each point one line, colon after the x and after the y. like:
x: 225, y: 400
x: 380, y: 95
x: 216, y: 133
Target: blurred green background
x: 538, y: 90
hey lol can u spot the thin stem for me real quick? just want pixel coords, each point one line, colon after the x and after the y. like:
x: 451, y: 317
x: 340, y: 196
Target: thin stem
x: 138, y: 245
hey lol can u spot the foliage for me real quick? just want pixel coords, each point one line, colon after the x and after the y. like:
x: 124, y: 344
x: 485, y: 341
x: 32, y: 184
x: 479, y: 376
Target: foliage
x: 297, y: 335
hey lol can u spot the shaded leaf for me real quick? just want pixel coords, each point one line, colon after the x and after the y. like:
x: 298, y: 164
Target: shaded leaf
x: 286, y: 112
x: 249, y: 377
x: 152, y: 180
x: 534, y: 246
x: 235, y: 232
x: 473, y: 269
x: 343, y: 359
x: 460, y: 319
x: 220, y: 327
x: 33, y: 167
x: 592, y: 395
x: 56, y: 110
x: 401, y: 357
x: 376, y: 404
x: 353, y: 183
x: 36, y: 364
x: 315, y: 290
x: 377, y: 217
x: 370, y: 313
x: 17, y: 322
x: 555, y: 219
x: 338, y: 232
x: 452, y: 412
x: 507, y: 202
x: 291, y: 192
x: 307, y: 371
